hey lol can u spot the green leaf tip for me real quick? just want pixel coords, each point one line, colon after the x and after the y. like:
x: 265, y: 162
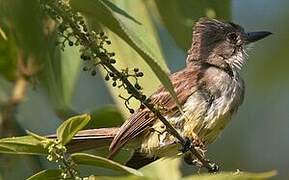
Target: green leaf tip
x: 91, y: 160
x: 69, y: 128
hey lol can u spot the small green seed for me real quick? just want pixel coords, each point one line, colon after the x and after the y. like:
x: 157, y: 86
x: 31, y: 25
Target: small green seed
x: 93, y: 72
x: 106, y: 78
x: 139, y: 74
x: 137, y: 86
x: 142, y: 106
x: 112, y: 61
x: 143, y: 97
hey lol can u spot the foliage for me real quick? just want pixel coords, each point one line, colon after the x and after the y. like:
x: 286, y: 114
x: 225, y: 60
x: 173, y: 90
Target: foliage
x: 58, y: 74
x: 56, y: 151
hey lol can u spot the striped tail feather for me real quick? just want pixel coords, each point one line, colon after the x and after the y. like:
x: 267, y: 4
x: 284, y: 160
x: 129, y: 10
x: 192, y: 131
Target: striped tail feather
x: 102, y: 137
x: 90, y: 139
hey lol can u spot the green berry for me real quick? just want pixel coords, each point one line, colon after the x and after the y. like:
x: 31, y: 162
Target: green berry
x: 137, y: 86
x: 106, y: 78
x: 112, y: 61
x: 93, y: 73
x: 142, y: 106
x: 143, y: 97
x: 140, y: 74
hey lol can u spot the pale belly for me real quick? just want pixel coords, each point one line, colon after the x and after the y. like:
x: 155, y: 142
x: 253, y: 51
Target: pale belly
x: 201, y: 119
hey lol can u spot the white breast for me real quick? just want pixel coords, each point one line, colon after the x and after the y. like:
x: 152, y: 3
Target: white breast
x: 223, y: 107
x: 207, y: 120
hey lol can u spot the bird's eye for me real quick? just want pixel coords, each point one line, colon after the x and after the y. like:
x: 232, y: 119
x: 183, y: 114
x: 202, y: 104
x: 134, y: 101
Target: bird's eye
x: 232, y: 37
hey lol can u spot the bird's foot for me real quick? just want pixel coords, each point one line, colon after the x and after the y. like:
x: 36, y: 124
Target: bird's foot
x: 197, y: 149
x: 196, y: 143
x: 187, y: 145
x: 188, y: 158
x: 212, y: 167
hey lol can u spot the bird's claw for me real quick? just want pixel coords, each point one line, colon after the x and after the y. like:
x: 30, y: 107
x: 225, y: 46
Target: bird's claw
x: 213, y: 168
x: 187, y: 145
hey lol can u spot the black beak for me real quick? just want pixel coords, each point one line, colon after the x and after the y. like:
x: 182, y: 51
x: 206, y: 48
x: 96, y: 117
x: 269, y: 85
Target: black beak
x: 255, y: 36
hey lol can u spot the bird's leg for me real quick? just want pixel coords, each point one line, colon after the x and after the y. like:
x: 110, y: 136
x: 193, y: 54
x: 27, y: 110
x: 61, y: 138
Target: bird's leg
x: 187, y: 145
x: 190, y: 160
x: 200, y: 161
x: 196, y: 143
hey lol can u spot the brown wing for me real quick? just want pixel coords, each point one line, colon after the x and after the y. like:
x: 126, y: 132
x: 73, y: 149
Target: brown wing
x: 184, y: 82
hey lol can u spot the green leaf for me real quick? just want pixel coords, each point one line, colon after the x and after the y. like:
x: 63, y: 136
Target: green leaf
x: 91, y: 160
x: 22, y: 145
x: 233, y: 176
x: 58, y: 71
x: 5, y: 90
x: 48, y: 174
x: 3, y: 34
x: 113, y: 178
x: 122, y: 156
x: 70, y: 127
x: 180, y: 16
x: 130, y: 58
x: 107, y: 116
x: 25, y: 18
x: 8, y: 58
x: 164, y: 168
x: 130, y: 30
x: 36, y: 136
x: 59, y: 77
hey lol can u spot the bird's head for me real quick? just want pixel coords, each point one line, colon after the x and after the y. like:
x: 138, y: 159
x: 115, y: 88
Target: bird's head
x: 221, y: 44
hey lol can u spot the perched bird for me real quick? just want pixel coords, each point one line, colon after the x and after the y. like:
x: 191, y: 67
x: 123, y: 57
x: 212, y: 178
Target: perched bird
x: 209, y: 89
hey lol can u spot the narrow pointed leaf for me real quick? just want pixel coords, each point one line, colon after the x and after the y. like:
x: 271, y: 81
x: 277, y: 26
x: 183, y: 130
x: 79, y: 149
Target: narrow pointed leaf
x: 59, y: 77
x: 165, y: 168
x: 91, y: 160
x: 118, y: 178
x: 70, y: 127
x: 8, y: 59
x: 107, y: 116
x: 130, y: 58
x: 233, y: 176
x: 22, y: 145
x: 48, y: 174
x: 130, y: 30
x: 36, y: 136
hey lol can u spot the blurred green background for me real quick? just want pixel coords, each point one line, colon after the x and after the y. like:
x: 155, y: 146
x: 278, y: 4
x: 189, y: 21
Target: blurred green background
x: 256, y: 139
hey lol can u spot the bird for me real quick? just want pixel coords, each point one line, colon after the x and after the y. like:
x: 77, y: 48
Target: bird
x: 209, y: 89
